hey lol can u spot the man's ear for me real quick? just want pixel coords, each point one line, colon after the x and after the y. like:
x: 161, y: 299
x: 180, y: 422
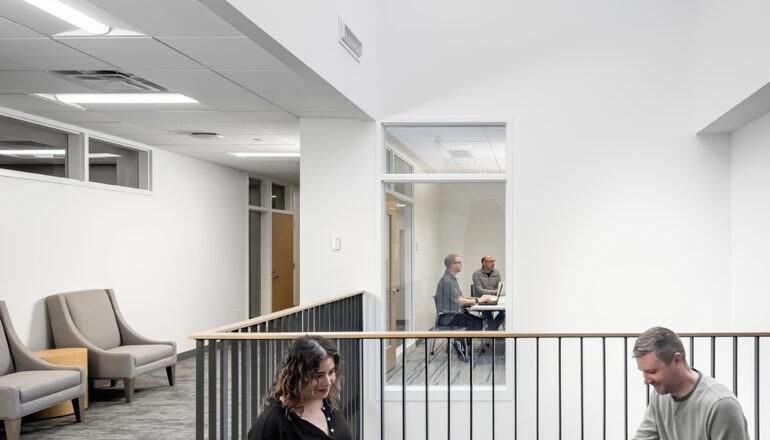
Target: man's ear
x: 678, y: 359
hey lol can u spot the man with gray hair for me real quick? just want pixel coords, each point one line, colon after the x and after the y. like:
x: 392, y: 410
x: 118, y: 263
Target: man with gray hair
x: 687, y: 405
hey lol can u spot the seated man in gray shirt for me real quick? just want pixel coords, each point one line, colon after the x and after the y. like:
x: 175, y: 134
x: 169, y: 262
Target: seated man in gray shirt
x: 687, y: 404
x: 450, y: 302
x: 485, y: 282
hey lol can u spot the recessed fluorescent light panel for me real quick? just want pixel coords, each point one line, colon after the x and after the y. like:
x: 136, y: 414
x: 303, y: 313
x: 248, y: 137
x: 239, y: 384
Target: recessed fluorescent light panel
x: 71, y: 16
x: 119, y: 98
x: 274, y: 155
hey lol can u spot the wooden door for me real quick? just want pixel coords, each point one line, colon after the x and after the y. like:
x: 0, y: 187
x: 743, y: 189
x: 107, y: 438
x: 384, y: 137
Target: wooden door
x: 283, y: 261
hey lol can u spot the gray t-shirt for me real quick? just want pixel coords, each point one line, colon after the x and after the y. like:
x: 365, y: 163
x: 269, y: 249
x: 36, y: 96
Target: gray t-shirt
x: 447, y: 293
x: 709, y: 412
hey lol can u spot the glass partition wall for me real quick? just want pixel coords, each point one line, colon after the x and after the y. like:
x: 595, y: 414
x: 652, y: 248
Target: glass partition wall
x: 444, y: 192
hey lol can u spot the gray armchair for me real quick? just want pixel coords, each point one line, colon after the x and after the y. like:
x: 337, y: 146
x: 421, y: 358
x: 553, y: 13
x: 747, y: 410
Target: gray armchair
x: 29, y: 384
x: 91, y: 319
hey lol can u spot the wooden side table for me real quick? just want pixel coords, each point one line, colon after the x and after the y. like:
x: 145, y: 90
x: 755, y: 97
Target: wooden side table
x: 77, y: 356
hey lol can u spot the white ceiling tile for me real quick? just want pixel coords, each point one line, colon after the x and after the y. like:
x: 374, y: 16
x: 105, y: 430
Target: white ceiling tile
x: 113, y: 128
x: 458, y: 133
x: 168, y: 18
x: 174, y: 139
x: 231, y: 127
x: 9, y: 29
x: 279, y: 127
x: 408, y: 134
x: 166, y: 116
x: 443, y: 165
x: 10, y: 65
x: 269, y: 82
x: 133, y: 53
x: 190, y: 81
x: 167, y: 127
x: 279, y: 117
x: 47, y: 54
x: 308, y: 102
x: 321, y: 114
x: 18, y: 81
x: 102, y: 108
x: 230, y: 102
x: 265, y: 139
x: 28, y: 103
x: 226, y: 53
x: 32, y: 18
x: 496, y: 133
x: 73, y: 116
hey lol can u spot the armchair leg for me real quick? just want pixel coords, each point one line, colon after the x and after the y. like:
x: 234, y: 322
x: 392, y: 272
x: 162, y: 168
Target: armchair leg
x: 13, y: 429
x: 128, y: 385
x: 77, y: 405
x: 171, y: 373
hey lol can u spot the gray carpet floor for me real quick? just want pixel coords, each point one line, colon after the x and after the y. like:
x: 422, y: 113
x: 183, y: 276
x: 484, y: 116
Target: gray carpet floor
x: 459, y: 371
x: 157, y: 412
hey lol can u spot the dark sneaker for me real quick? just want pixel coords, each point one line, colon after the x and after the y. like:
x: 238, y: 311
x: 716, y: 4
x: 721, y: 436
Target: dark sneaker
x: 460, y: 349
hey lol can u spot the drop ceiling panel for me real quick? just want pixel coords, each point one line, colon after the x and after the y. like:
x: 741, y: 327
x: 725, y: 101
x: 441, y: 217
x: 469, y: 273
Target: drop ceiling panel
x: 308, y: 102
x: 165, y: 116
x: 229, y: 102
x: 168, y: 18
x: 17, y: 81
x: 114, y: 128
x: 408, y: 135
x: 280, y: 127
x: 496, y: 134
x: 268, y: 82
x: 279, y: 117
x: 190, y: 81
x: 231, y: 128
x: 132, y: 53
x: 101, y: 108
x: 458, y: 133
x: 75, y: 117
x: 9, y: 29
x: 10, y: 65
x: 167, y: 127
x: 174, y: 139
x: 226, y: 53
x: 27, y: 103
x: 32, y: 18
x: 265, y: 139
x: 47, y: 54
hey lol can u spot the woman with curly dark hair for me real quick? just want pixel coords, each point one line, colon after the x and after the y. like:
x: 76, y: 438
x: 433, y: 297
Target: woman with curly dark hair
x: 302, y: 403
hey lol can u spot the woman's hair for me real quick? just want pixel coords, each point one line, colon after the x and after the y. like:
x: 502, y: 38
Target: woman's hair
x: 299, y: 370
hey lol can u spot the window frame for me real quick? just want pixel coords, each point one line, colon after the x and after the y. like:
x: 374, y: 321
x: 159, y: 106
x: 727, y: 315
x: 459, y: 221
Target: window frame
x: 76, y: 164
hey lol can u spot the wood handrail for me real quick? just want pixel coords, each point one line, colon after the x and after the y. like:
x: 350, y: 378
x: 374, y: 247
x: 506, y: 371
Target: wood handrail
x: 270, y: 316
x: 453, y: 334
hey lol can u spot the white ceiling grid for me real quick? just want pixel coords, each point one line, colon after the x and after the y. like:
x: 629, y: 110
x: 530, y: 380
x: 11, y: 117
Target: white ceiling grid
x: 245, y: 94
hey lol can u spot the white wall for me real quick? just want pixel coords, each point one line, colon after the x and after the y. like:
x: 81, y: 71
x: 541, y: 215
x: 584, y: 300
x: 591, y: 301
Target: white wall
x: 621, y: 214
x: 466, y: 219
x: 338, y: 198
x: 177, y: 258
x: 728, y: 47
x: 308, y: 29
x: 751, y: 224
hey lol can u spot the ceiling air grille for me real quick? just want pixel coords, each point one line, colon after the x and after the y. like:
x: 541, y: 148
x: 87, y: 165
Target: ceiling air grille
x: 109, y: 81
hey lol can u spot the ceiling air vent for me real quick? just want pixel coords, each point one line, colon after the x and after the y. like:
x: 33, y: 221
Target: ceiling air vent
x: 349, y: 41
x: 109, y: 81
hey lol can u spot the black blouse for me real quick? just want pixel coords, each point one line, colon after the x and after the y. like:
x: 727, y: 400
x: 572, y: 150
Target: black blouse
x: 276, y: 424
